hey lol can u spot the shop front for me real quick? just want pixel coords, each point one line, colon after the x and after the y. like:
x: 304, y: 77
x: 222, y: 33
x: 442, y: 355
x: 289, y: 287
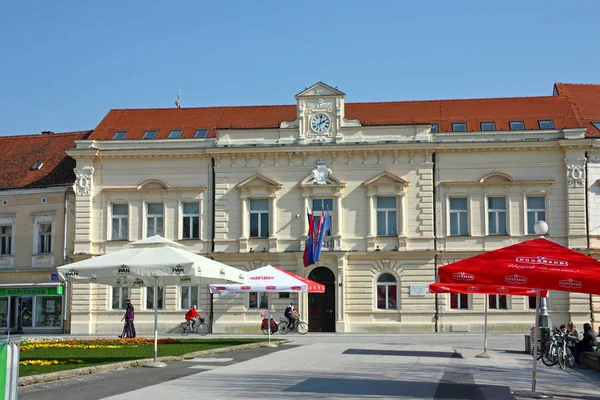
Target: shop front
x: 29, y: 308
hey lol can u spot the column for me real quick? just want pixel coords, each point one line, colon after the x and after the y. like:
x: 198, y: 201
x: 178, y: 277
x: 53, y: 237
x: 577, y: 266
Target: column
x: 372, y: 218
x: 338, y: 222
x: 244, y: 216
x: 340, y: 325
x: 273, y: 224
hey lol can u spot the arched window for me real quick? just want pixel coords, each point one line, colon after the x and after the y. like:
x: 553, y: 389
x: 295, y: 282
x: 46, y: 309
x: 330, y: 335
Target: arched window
x: 387, y: 292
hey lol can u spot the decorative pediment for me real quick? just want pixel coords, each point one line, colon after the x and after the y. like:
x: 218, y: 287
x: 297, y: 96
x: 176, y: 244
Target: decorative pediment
x: 385, y: 178
x: 499, y: 179
x: 258, y: 185
x: 153, y: 184
x: 496, y: 177
x: 321, y: 176
x: 320, y: 89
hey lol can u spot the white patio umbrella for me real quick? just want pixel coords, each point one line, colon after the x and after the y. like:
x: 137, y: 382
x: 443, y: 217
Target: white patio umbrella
x: 154, y: 261
x: 271, y: 279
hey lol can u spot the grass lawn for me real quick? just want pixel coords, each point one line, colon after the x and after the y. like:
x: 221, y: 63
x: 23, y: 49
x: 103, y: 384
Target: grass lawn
x: 95, y: 352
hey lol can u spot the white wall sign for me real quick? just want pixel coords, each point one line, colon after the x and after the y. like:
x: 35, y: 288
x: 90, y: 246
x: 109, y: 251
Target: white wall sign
x: 418, y: 290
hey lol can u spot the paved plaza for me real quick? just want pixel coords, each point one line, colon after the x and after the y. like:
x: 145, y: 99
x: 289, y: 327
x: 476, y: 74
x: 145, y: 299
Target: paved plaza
x: 341, y: 366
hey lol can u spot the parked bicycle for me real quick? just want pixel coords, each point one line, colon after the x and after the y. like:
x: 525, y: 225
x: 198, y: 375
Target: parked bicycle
x: 301, y: 327
x: 196, y: 326
x: 263, y: 324
x: 558, y: 351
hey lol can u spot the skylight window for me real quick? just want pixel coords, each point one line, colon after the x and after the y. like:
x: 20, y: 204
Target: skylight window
x: 488, y: 126
x: 434, y: 127
x: 149, y: 134
x: 517, y: 125
x: 201, y: 133
x: 546, y: 124
x: 459, y: 127
x: 597, y: 125
x: 175, y: 134
x: 37, y: 166
x: 120, y: 135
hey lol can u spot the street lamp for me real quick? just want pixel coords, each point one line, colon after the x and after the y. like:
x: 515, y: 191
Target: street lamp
x: 541, y: 228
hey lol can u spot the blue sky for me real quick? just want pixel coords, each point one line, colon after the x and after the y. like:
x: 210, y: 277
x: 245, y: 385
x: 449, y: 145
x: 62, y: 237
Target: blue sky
x: 64, y: 64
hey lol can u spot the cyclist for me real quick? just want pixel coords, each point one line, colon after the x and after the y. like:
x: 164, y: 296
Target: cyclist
x: 192, y: 316
x: 291, y: 314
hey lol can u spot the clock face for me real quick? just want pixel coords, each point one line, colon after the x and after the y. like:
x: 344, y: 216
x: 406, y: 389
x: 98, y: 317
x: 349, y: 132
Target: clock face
x: 320, y: 123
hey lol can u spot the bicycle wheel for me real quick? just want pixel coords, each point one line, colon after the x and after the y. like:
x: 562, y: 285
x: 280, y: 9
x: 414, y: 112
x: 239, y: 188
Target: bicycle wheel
x: 302, y: 328
x: 282, y: 328
x: 202, y: 329
x: 569, y: 359
x: 183, y: 328
x: 561, y: 358
x: 550, y: 357
x: 264, y: 330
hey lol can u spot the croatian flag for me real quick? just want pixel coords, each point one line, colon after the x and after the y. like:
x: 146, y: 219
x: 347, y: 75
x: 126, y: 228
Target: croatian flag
x: 309, y: 252
x: 324, y: 225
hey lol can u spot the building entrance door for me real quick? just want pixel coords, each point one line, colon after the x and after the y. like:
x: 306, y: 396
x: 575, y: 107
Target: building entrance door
x: 321, y: 313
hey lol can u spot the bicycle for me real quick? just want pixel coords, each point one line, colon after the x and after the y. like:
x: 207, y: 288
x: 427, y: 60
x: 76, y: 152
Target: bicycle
x: 301, y: 327
x: 197, y: 326
x: 263, y: 325
x: 550, y: 355
x: 565, y: 355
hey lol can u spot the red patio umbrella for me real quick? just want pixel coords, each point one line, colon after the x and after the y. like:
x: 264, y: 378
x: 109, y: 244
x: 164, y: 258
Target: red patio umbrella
x: 439, y: 287
x: 538, y: 263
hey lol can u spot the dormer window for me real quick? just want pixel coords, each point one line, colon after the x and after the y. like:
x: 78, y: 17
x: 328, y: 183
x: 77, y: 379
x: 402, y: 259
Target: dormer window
x: 175, y: 134
x: 150, y: 134
x: 596, y: 125
x: 546, y: 124
x: 119, y: 135
x: 37, y: 166
x: 459, y: 127
x: 517, y: 125
x: 434, y: 127
x: 201, y: 133
x: 488, y: 126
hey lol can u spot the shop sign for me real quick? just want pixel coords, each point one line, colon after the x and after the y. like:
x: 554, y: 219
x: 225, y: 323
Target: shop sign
x: 31, y: 291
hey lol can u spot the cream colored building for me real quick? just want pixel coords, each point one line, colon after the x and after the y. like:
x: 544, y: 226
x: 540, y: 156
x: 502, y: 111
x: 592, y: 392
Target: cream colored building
x: 36, y: 224
x: 410, y: 187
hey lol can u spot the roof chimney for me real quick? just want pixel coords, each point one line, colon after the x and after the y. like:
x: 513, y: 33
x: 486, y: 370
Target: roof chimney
x: 47, y: 133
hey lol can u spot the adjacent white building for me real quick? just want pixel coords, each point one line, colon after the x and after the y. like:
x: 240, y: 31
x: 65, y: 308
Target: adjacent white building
x: 410, y: 186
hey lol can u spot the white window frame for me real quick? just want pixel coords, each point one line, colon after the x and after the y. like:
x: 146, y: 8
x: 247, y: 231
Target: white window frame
x: 10, y: 238
x: 161, y: 291
x: 121, y: 220
x: 324, y: 212
x: 386, y: 285
x: 191, y: 216
x: 497, y: 212
x: 387, y: 215
x: 459, y: 308
x: 459, y: 216
x: 155, y: 217
x: 122, y: 298
x: 190, y: 299
x: 497, y: 296
x: 258, y: 302
x: 259, y: 213
x: 534, y: 210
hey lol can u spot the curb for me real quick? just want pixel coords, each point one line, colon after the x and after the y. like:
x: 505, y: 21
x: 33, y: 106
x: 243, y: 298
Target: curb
x: 72, y: 373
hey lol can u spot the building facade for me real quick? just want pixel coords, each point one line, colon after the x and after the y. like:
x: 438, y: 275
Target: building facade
x: 36, y: 224
x: 408, y: 186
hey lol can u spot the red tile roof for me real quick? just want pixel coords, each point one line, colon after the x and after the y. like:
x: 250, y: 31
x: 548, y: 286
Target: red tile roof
x: 585, y: 99
x: 20, y: 153
x: 444, y: 112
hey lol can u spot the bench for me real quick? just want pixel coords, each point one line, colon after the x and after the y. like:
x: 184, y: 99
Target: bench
x: 590, y: 359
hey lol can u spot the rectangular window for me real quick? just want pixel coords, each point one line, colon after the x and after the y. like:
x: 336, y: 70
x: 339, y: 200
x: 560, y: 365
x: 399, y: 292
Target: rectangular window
x: 6, y: 240
x: 596, y: 125
x: 149, y: 135
x: 201, y: 133
x: 488, y: 126
x: 120, y: 135
x: 536, y: 211
x: 459, y: 301
x: 459, y: 127
x: 497, y: 215
x: 150, y: 298
x: 517, y: 125
x: 189, y: 297
x: 259, y: 218
x: 119, y: 297
x: 191, y: 220
x: 120, y: 222
x: 434, y: 127
x: 257, y: 301
x: 45, y: 239
x: 497, y: 301
x: 386, y: 216
x: 48, y: 311
x: 175, y: 134
x: 546, y: 124
x: 155, y: 219
x: 320, y: 207
x: 459, y: 220
x: 532, y: 302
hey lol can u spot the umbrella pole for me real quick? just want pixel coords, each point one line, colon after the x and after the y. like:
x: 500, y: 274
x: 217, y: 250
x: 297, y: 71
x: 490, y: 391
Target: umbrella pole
x: 269, y: 344
x: 155, y: 318
x: 485, y: 324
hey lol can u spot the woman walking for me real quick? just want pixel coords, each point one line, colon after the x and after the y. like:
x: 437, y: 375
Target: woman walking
x: 129, y: 328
